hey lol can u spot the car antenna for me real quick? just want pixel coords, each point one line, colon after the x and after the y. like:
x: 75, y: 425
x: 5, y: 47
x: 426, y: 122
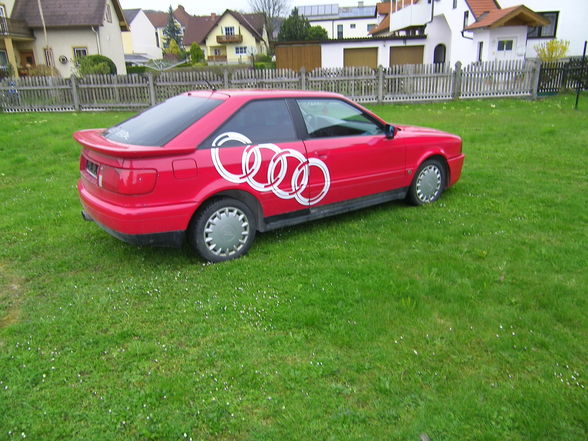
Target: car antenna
x: 210, y: 85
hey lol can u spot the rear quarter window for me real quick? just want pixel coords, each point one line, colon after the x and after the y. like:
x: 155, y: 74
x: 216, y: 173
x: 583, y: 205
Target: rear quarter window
x: 160, y: 124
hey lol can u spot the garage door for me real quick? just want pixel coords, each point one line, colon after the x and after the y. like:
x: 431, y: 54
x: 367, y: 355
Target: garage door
x: 406, y: 55
x: 365, y: 56
x: 297, y: 56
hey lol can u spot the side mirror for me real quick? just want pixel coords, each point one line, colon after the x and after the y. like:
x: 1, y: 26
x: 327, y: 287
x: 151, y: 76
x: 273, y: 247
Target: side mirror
x: 389, y: 131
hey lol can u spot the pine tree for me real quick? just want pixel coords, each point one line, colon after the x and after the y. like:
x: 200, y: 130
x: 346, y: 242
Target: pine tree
x: 172, y: 31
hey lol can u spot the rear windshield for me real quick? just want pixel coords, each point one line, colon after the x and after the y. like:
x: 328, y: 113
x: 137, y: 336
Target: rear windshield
x: 160, y: 124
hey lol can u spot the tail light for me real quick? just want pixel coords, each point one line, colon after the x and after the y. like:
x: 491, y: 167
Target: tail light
x: 127, y: 181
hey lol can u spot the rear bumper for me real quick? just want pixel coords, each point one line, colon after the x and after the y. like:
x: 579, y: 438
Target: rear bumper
x: 161, y: 226
x: 173, y: 239
x: 455, y: 165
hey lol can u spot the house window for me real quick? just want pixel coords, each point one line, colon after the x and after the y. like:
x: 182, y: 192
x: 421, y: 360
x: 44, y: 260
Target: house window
x: 217, y: 52
x: 157, y: 39
x: 547, y: 31
x: 340, y: 31
x: 352, y: 25
x: 80, y: 52
x: 466, y: 17
x: 454, y: 4
x: 505, y: 45
x: 230, y: 30
x: 108, y: 14
x: 370, y: 26
x: 3, y: 58
x: 480, y: 49
x: 48, y: 52
x: 241, y: 50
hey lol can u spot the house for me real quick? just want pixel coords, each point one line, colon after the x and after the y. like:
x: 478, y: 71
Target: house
x: 342, y: 22
x: 567, y: 21
x: 235, y: 37
x: 141, y: 41
x: 63, y: 30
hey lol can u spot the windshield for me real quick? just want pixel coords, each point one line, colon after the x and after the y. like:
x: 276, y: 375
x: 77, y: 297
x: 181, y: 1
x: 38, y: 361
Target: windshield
x: 160, y: 124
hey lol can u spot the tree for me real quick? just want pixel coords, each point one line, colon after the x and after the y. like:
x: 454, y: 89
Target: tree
x: 196, y: 53
x: 294, y: 28
x: 172, y: 30
x: 272, y: 9
x: 317, y: 33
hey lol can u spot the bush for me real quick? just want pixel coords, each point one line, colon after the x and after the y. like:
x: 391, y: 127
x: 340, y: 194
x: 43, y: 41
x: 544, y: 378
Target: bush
x: 263, y: 58
x: 265, y: 65
x: 196, y: 54
x: 136, y: 69
x: 552, y: 50
x: 95, y: 64
x: 42, y: 70
x: 6, y: 71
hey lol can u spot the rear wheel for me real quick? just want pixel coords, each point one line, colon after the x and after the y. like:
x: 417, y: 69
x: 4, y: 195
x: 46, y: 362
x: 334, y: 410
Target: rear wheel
x: 428, y: 183
x: 223, y: 230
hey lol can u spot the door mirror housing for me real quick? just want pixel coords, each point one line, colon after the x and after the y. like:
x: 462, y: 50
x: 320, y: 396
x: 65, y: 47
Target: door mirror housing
x: 389, y: 131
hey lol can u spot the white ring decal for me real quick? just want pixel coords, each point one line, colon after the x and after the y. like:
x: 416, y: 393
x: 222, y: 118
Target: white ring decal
x: 277, y: 169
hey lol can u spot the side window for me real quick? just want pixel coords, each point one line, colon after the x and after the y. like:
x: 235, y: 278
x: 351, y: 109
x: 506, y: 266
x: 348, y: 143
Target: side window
x: 326, y: 118
x: 262, y: 121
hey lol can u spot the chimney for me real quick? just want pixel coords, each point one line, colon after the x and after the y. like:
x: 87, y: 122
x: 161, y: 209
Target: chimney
x: 213, y: 15
x: 360, y: 4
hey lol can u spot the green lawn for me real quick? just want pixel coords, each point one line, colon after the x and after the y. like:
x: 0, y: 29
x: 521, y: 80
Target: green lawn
x: 464, y: 320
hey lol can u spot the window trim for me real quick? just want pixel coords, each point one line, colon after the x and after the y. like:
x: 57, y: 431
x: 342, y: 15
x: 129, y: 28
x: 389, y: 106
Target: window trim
x: 76, y: 48
x: 505, y: 42
x: 539, y: 28
x: 206, y: 145
x: 108, y: 13
x: 306, y: 135
x: 2, y: 51
x: 237, y: 52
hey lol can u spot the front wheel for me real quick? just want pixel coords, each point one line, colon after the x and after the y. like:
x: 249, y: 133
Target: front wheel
x: 428, y: 183
x: 223, y: 230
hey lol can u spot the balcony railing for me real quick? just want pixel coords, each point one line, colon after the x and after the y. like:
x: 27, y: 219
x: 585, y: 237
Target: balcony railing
x: 226, y: 39
x: 217, y: 58
x: 14, y: 28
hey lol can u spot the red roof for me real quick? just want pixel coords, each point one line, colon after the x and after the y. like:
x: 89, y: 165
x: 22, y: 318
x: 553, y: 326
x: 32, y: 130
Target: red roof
x: 513, y: 16
x: 383, y: 26
x: 479, y: 7
x: 383, y: 8
x: 157, y: 18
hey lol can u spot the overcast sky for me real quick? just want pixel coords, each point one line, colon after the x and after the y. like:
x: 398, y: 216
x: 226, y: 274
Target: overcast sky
x: 203, y: 7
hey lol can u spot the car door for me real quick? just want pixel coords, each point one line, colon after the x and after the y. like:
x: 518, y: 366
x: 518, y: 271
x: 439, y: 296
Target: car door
x: 360, y: 160
x: 258, y: 150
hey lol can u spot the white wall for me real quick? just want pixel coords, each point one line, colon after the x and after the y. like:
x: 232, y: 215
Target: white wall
x: 572, y: 21
x: 332, y: 54
x: 111, y: 44
x: 360, y: 30
x: 143, y: 37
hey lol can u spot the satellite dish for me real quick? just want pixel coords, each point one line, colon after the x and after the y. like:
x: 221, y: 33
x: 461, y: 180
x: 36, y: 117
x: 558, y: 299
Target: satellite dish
x: 63, y: 59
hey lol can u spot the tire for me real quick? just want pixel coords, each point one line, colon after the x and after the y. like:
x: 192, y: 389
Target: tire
x: 222, y: 230
x: 428, y: 183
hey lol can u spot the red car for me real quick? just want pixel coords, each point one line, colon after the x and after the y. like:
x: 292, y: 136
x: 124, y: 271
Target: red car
x: 215, y: 167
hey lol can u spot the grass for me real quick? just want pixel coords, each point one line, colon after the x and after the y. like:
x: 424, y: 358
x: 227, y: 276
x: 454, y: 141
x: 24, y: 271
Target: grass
x: 464, y: 320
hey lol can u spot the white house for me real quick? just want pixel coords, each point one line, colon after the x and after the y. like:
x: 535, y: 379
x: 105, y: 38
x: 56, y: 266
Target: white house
x: 465, y: 30
x: 142, y: 40
x: 342, y: 22
x: 567, y: 21
x: 66, y: 29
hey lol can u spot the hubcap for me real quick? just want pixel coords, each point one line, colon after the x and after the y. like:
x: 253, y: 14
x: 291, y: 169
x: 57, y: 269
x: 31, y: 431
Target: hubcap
x: 226, y: 231
x: 428, y: 184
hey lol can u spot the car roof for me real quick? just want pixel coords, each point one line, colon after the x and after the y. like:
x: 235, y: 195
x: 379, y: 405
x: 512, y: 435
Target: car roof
x: 260, y: 93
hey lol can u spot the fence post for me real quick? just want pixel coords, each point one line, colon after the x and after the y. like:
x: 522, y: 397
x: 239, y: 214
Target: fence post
x: 226, y: 79
x: 535, y: 79
x: 151, y: 88
x: 457, y: 81
x: 380, y: 84
x: 74, y: 92
x: 303, y: 78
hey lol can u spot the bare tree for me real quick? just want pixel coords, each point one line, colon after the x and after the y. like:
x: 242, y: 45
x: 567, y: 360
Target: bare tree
x: 272, y: 9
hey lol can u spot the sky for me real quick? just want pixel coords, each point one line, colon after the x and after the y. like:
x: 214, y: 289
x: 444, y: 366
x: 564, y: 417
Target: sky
x: 203, y: 7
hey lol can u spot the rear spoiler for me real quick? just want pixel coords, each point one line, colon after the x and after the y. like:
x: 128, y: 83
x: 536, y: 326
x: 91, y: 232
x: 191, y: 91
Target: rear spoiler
x: 92, y: 139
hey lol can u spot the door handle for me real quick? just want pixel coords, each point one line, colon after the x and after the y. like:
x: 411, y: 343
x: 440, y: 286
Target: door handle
x: 320, y: 155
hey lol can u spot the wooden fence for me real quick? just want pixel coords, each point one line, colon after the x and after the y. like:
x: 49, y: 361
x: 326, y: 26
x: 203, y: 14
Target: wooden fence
x: 558, y: 75
x: 394, y: 84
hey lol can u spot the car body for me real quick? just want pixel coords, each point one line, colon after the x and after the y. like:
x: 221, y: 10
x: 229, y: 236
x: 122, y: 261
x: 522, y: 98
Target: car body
x: 216, y: 166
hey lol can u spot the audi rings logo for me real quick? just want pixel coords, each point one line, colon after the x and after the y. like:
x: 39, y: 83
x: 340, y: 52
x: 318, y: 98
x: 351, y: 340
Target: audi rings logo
x: 277, y: 169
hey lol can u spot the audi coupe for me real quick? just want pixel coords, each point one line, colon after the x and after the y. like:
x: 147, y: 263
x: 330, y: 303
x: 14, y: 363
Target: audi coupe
x: 215, y: 167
